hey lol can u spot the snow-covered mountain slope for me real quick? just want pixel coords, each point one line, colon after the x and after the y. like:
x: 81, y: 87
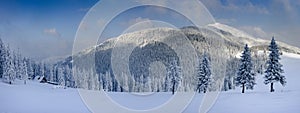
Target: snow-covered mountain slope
x: 36, y: 97
x: 223, y: 43
x: 229, y: 34
x: 233, y: 40
x: 235, y: 35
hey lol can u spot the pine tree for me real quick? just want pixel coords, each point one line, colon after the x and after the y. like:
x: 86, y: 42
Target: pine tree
x: 174, y: 73
x: 61, y: 77
x: 23, y: 70
x: 245, y: 75
x: 2, y: 57
x: 8, y: 67
x: 17, y: 63
x: 203, y: 75
x: 167, y: 83
x: 274, y: 68
x: 29, y: 68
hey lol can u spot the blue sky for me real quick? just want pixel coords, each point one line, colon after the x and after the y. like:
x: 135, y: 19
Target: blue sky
x: 46, y: 28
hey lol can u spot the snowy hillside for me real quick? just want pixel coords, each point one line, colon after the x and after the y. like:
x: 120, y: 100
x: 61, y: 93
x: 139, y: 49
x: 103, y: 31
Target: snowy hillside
x: 231, y: 34
x: 235, y: 35
x: 145, y: 52
x: 36, y: 97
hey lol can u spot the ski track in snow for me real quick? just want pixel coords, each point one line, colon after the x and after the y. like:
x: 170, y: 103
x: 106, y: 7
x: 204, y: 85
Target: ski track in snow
x: 44, y: 98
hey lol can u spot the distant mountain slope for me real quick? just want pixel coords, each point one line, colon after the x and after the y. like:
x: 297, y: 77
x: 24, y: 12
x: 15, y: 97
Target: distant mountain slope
x: 235, y: 35
x: 221, y: 42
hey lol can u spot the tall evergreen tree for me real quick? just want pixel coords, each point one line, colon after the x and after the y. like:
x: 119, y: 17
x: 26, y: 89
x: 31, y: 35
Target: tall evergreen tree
x: 23, y: 70
x: 17, y: 63
x: 167, y: 83
x: 2, y: 57
x: 174, y: 73
x: 245, y: 75
x: 30, y: 70
x: 274, y: 68
x: 203, y: 74
x: 8, y: 67
x: 61, y: 76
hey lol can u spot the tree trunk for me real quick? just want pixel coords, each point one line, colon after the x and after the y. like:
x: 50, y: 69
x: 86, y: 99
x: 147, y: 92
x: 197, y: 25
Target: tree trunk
x: 173, y: 88
x: 272, y: 88
x: 198, y: 89
x: 243, y: 90
x: 204, y: 91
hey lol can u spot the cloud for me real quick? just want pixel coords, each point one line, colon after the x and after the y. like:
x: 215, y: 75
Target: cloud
x: 226, y: 21
x: 161, y: 2
x: 137, y: 20
x: 140, y: 23
x: 289, y: 7
x: 257, y: 32
x: 84, y: 9
x: 235, y: 6
x: 52, y: 31
x: 101, y: 22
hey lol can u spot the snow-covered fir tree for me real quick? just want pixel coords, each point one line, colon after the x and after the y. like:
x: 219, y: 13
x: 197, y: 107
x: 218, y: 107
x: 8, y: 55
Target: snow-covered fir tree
x: 23, y: 70
x: 29, y: 68
x: 274, y: 68
x: 2, y: 57
x: 203, y: 74
x: 61, y: 76
x: 245, y: 75
x: 18, y: 64
x: 174, y: 74
x: 107, y: 86
x: 167, y: 83
x: 68, y: 76
x: 9, y: 74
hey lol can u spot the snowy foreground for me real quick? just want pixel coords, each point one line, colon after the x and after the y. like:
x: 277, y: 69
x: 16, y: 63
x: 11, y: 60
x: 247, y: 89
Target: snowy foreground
x: 44, y: 98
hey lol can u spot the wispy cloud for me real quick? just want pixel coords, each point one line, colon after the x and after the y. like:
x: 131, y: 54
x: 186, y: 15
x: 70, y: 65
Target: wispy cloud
x: 259, y: 32
x: 289, y: 7
x: 225, y: 20
x: 52, y: 31
x: 84, y: 9
x: 139, y: 23
x: 135, y: 20
x: 236, y: 6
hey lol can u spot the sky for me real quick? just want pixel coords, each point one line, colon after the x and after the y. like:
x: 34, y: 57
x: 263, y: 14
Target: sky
x: 46, y: 28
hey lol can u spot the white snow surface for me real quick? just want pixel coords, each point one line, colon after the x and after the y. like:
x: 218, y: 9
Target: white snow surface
x: 36, y: 97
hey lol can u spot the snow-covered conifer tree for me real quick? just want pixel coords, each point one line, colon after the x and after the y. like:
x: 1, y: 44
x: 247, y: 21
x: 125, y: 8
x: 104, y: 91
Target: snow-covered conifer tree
x: 203, y: 74
x: 8, y: 67
x: 61, y: 77
x: 245, y: 75
x: 274, y: 68
x: 167, y: 84
x: 29, y: 68
x: 23, y: 70
x: 108, y: 82
x: 174, y: 73
x: 2, y: 57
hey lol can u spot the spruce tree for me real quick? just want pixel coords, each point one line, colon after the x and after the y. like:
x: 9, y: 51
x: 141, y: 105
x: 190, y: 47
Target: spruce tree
x: 23, y: 70
x: 2, y: 57
x: 203, y: 74
x: 245, y: 75
x: 8, y: 67
x: 274, y: 68
x: 174, y: 74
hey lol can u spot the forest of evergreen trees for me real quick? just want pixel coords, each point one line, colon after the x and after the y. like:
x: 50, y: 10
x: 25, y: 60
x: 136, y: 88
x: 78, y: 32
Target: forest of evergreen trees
x: 241, y: 73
